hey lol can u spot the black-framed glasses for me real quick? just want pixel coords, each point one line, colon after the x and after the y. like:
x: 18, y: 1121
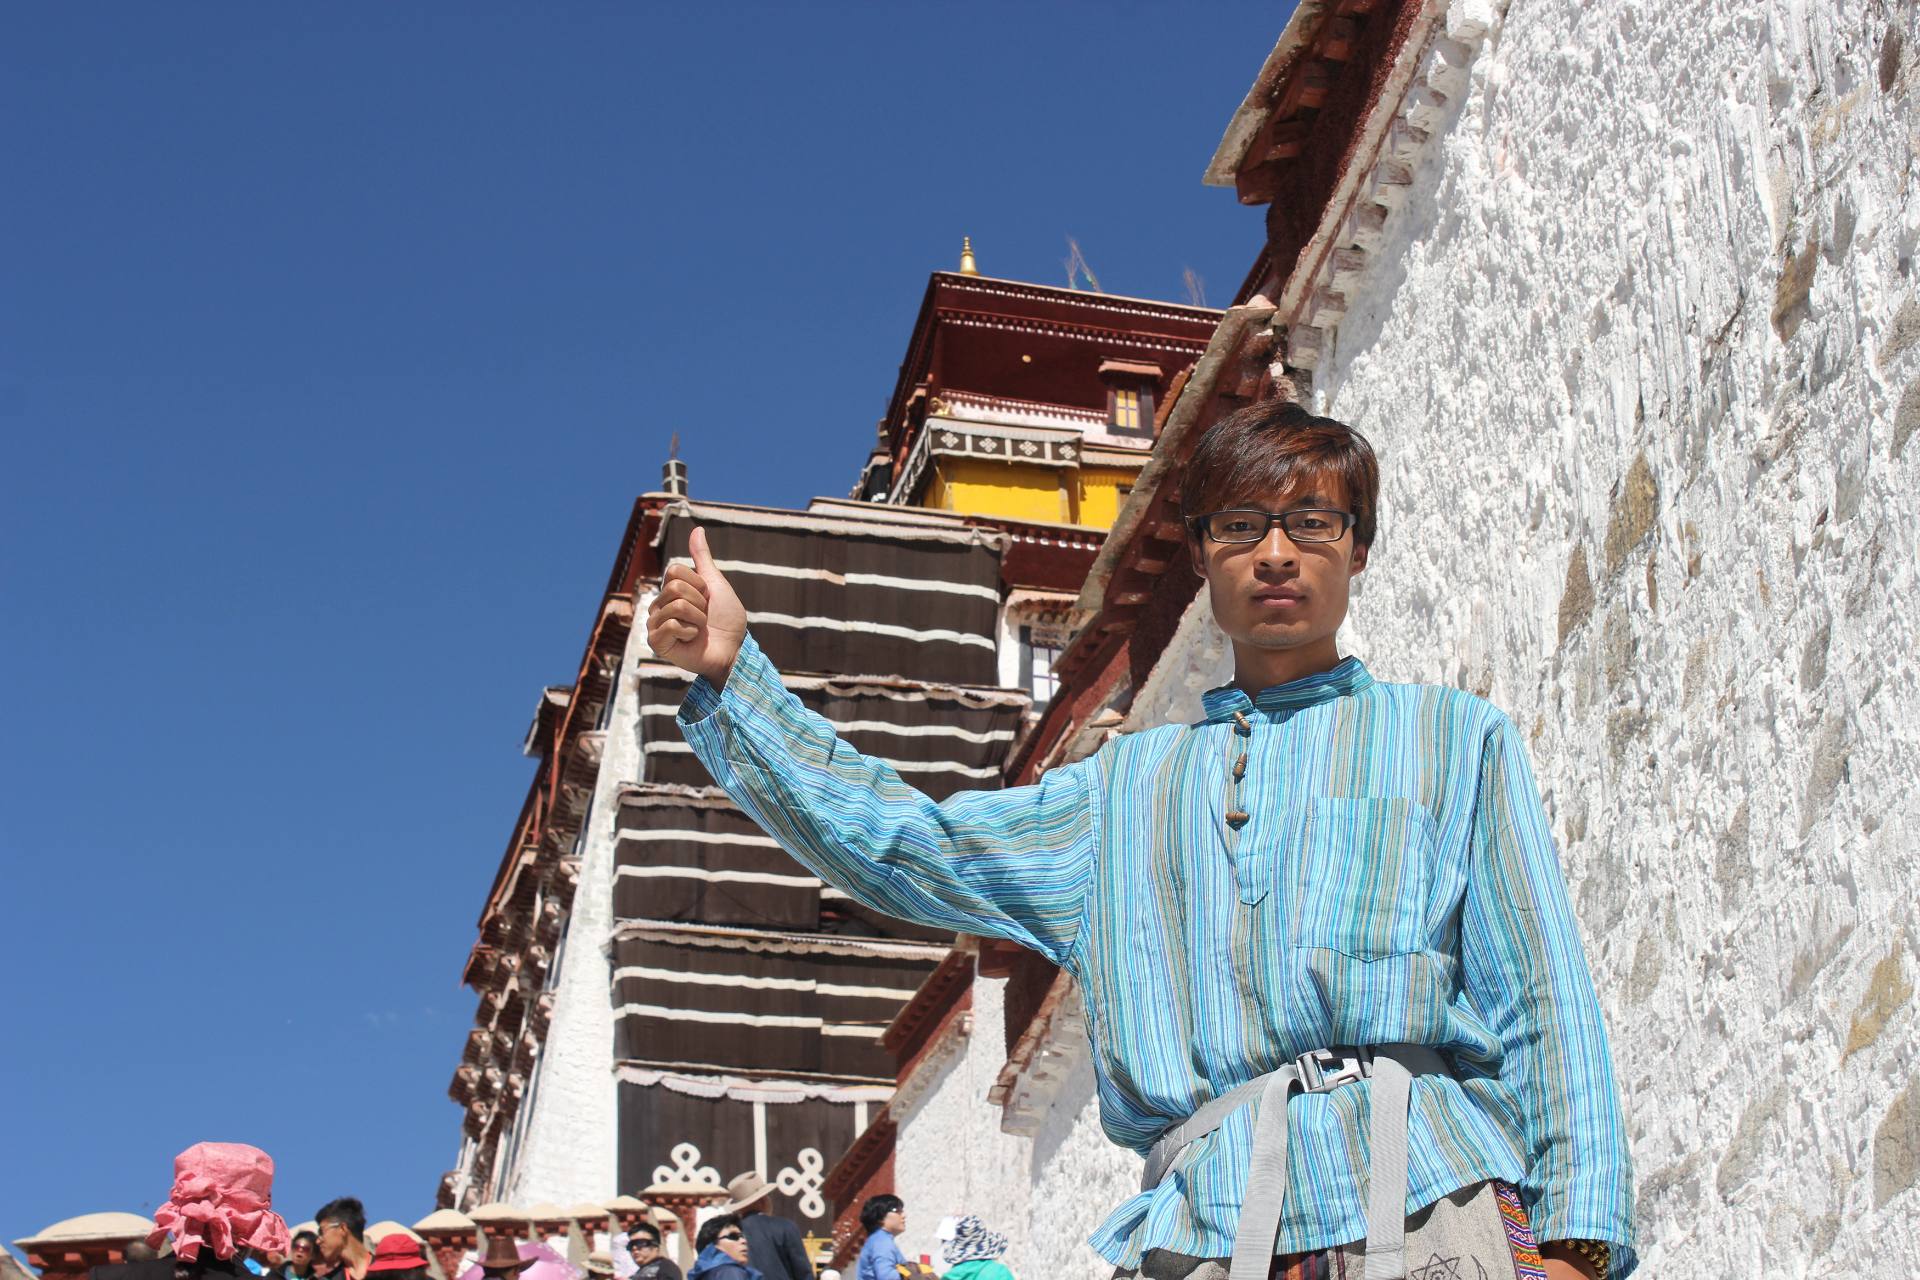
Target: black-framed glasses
x: 1249, y: 524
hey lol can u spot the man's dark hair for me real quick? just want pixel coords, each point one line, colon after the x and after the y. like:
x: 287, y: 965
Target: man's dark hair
x: 644, y: 1231
x: 1264, y: 449
x: 298, y: 1236
x: 875, y: 1211
x: 710, y: 1229
x: 348, y: 1212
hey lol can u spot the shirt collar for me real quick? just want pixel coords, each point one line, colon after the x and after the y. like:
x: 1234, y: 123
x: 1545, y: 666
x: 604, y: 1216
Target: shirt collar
x: 1349, y: 678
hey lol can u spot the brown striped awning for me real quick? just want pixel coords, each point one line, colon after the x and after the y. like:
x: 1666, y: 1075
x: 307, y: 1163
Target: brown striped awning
x: 941, y: 738
x: 871, y: 597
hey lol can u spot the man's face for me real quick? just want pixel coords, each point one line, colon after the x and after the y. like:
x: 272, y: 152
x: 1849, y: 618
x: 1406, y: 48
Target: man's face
x: 732, y: 1242
x: 894, y: 1223
x: 332, y: 1242
x: 644, y: 1247
x: 1281, y: 591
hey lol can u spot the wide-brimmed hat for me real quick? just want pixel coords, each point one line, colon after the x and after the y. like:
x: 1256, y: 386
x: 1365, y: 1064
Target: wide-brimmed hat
x: 971, y: 1241
x: 222, y: 1199
x: 599, y: 1263
x: 746, y: 1189
x: 503, y: 1257
x: 397, y: 1251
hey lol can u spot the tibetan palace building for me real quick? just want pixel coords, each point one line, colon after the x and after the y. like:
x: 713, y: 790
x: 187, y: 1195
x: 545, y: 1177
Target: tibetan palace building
x: 666, y: 999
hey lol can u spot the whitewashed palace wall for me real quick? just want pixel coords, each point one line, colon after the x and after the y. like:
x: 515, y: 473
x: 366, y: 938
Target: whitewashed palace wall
x: 1642, y: 361
x: 1046, y: 1192
x: 569, y: 1150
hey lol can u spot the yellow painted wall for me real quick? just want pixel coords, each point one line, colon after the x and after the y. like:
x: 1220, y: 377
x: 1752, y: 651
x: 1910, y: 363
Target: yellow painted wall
x: 998, y: 489
x: 1022, y: 492
x: 1098, y: 500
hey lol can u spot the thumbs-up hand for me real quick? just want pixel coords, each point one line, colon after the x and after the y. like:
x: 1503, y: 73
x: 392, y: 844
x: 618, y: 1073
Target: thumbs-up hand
x: 696, y: 622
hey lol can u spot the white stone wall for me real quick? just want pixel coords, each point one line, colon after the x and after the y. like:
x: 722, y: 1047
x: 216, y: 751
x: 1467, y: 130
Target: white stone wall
x: 1046, y: 1194
x: 950, y: 1157
x: 1642, y: 360
x: 1078, y: 1178
x: 569, y: 1150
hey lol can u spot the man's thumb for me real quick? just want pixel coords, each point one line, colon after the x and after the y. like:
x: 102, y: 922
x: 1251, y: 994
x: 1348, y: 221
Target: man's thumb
x: 703, y: 559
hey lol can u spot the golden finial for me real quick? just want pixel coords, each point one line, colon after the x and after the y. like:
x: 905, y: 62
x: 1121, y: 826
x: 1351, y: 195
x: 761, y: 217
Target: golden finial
x: 968, y: 267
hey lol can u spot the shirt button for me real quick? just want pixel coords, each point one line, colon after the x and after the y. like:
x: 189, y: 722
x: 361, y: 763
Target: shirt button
x: 1237, y: 818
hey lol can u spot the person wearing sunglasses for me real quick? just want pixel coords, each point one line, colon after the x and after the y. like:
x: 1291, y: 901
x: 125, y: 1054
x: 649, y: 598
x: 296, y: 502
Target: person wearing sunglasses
x: 341, y: 1249
x: 1336, y: 992
x: 722, y: 1249
x: 650, y: 1262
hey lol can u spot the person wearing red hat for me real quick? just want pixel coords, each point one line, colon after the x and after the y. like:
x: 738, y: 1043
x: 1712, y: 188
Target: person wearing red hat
x: 398, y: 1257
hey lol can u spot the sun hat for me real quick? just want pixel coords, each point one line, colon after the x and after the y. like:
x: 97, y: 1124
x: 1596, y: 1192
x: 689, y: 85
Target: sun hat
x: 397, y: 1251
x: 599, y: 1263
x: 222, y: 1199
x: 746, y: 1189
x: 971, y: 1241
x: 503, y: 1257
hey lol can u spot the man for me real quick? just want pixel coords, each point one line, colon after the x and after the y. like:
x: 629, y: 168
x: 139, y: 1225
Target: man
x: 299, y: 1263
x: 883, y: 1218
x: 773, y: 1242
x: 722, y: 1249
x: 502, y: 1260
x: 649, y: 1262
x: 341, y: 1243
x: 1330, y: 887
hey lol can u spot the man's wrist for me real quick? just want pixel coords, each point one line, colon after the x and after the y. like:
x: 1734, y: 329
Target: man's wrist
x: 719, y: 674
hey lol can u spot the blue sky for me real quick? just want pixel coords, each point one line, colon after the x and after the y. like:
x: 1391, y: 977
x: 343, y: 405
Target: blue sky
x: 335, y: 341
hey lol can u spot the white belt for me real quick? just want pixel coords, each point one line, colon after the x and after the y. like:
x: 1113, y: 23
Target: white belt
x: 1391, y: 1068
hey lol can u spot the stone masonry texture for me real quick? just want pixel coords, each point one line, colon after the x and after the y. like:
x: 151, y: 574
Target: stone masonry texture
x: 1642, y: 360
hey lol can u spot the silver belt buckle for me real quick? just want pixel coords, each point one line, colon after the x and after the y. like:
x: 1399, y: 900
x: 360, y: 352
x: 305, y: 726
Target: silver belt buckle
x: 1323, y: 1069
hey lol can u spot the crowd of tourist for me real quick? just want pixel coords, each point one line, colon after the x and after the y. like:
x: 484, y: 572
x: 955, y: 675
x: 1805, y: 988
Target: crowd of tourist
x: 219, y: 1224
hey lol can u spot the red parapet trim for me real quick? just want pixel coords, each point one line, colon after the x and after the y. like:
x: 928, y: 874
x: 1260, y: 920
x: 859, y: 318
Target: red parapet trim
x: 962, y: 1008
x: 1332, y: 142
x: 870, y: 1156
x: 947, y: 989
x: 948, y: 290
x: 1030, y: 979
x: 848, y: 1235
x: 997, y: 958
x: 1021, y: 1056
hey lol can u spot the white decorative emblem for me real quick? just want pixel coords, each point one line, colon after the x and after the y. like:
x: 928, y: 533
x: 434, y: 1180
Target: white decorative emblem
x: 686, y: 1167
x: 1066, y: 452
x: 804, y: 1182
x: 1029, y: 448
x: 948, y: 439
x: 988, y: 444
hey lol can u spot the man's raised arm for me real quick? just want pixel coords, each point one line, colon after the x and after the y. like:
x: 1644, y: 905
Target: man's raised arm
x: 1009, y: 864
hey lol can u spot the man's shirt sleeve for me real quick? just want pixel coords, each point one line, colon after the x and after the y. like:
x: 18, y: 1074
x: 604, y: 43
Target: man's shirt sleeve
x: 1011, y: 864
x: 1526, y: 973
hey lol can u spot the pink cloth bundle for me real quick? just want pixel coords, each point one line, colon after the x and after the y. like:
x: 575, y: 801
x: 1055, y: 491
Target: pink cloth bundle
x: 222, y: 1198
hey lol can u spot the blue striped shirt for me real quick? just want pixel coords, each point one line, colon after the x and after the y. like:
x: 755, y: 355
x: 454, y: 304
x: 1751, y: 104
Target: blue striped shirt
x: 1335, y: 861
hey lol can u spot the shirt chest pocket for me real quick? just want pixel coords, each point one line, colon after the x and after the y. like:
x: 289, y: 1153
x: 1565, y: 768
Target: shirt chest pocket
x: 1361, y: 872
